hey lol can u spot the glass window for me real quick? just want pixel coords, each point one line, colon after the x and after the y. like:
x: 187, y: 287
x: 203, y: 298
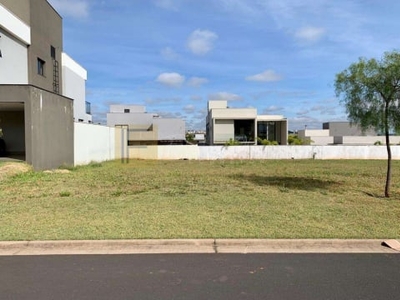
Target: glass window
x: 88, y: 108
x: 40, y: 66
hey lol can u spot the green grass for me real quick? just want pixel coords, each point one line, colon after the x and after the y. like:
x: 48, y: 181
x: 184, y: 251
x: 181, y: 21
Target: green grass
x: 203, y: 199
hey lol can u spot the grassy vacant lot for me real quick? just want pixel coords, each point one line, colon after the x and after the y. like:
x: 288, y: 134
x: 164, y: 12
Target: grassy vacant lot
x: 202, y: 199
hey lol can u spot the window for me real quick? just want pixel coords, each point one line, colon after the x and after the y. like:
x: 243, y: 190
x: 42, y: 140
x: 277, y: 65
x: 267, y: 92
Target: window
x: 40, y: 66
x: 53, y: 52
x: 127, y: 110
x: 267, y: 130
x: 88, y: 110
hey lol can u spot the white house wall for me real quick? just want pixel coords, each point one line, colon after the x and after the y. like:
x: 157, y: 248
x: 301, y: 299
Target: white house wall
x: 15, y: 26
x: 224, y: 130
x: 170, y: 129
x: 129, y: 119
x: 13, y: 60
x: 234, y: 113
x: 74, y: 86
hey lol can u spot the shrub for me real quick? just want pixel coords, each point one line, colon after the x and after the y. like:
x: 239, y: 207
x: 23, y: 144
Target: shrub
x: 266, y: 142
x: 232, y: 142
x: 293, y: 139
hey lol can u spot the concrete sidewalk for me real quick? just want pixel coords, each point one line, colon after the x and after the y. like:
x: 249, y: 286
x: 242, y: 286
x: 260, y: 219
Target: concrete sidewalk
x: 215, y: 246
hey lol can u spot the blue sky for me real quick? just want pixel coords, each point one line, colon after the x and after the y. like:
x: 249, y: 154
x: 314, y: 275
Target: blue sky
x: 279, y: 56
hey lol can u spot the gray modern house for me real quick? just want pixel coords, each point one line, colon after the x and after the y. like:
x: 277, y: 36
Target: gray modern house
x: 36, y: 108
x: 146, y: 128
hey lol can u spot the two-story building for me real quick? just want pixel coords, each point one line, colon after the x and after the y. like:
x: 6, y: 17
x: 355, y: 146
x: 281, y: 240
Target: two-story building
x: 243, y: 125
x: 146, y: 128
x: 42, y: 90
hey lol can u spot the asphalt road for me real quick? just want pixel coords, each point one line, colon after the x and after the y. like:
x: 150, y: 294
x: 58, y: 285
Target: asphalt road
x: 201, y: 276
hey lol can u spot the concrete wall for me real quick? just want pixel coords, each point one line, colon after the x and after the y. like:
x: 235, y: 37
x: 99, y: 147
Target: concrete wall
x: 321, y: 140
x: 233, y: 113
x: 223, y: 131
x: 46, y: 31
x: 163, y: 128
x: 365, y: 140
x: 49, y: 129
x: 49, y: 133
x: 95, y: 143
x: 261, y: 152
x: 129, y: 119
x: 310, y: 133
x: 170, y: 129
x: 346, y: 129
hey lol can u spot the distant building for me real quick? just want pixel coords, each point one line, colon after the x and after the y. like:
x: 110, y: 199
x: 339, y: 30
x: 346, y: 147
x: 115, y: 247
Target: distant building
x: 146, y: 128
x: 242, y: 125
x: 42, y: 89
x: 347, y: 129
x: 343, y: 133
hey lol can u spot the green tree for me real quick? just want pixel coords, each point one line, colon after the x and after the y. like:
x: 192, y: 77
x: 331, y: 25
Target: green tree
x: 370, y: 91
x: 190, y: 137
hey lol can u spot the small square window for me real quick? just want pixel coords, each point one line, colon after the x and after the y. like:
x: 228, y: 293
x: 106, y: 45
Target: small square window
x: 53, y: 52
x: 40, y: 66
x: 127, y: 110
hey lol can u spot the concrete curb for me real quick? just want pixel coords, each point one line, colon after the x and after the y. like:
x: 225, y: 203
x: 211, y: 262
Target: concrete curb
x: 177, y: 246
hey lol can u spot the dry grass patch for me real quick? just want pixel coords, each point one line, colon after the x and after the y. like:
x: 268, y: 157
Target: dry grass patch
x: 8, y: 169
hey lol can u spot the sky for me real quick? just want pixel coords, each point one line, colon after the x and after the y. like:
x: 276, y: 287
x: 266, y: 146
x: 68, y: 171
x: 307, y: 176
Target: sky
x: 173, y: 56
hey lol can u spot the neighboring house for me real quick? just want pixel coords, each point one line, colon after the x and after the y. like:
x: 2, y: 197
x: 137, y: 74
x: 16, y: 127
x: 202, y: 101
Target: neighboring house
x: 38, y: 83
x: 146, y: 128
x: 242, y: 125
x: 342, y: 133
x: 74, y: 87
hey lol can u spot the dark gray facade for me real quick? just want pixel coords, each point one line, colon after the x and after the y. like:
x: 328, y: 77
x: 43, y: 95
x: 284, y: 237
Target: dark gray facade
x: 37, y: 121
x: 38, y: 124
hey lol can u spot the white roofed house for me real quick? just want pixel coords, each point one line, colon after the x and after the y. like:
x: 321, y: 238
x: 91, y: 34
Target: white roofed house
x: 242, y: 125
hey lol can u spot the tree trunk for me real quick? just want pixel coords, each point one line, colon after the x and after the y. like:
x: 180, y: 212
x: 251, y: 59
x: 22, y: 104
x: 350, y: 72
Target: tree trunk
x: 389, y: 166
x: 389, y: 152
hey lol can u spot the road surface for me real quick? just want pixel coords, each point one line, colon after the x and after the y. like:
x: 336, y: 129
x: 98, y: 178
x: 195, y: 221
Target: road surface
x: 201, y: 276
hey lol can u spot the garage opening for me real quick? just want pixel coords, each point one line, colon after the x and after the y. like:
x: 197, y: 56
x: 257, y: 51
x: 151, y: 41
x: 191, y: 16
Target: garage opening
x: 12, y: 133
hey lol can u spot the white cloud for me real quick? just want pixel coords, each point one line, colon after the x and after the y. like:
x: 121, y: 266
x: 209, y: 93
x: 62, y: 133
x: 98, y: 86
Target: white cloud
x: 169, y: 53
x: 171, y: 79
x: 72, y: 8
x: 167, y: 4
x: 197, y: 81
x: 310, y: 34
x: 158, y: 101
x: 225, y: 96
x: 200, y: 42
x: 196, y: 98
x: 272, y: 108
x: 240, y: 6
x: 266, y: 76
x: 302, y: 112
x: 189, y: 109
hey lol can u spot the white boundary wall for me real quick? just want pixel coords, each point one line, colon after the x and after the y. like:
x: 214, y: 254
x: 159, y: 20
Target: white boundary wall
x: 94, y: 143
x: 261, y: 152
